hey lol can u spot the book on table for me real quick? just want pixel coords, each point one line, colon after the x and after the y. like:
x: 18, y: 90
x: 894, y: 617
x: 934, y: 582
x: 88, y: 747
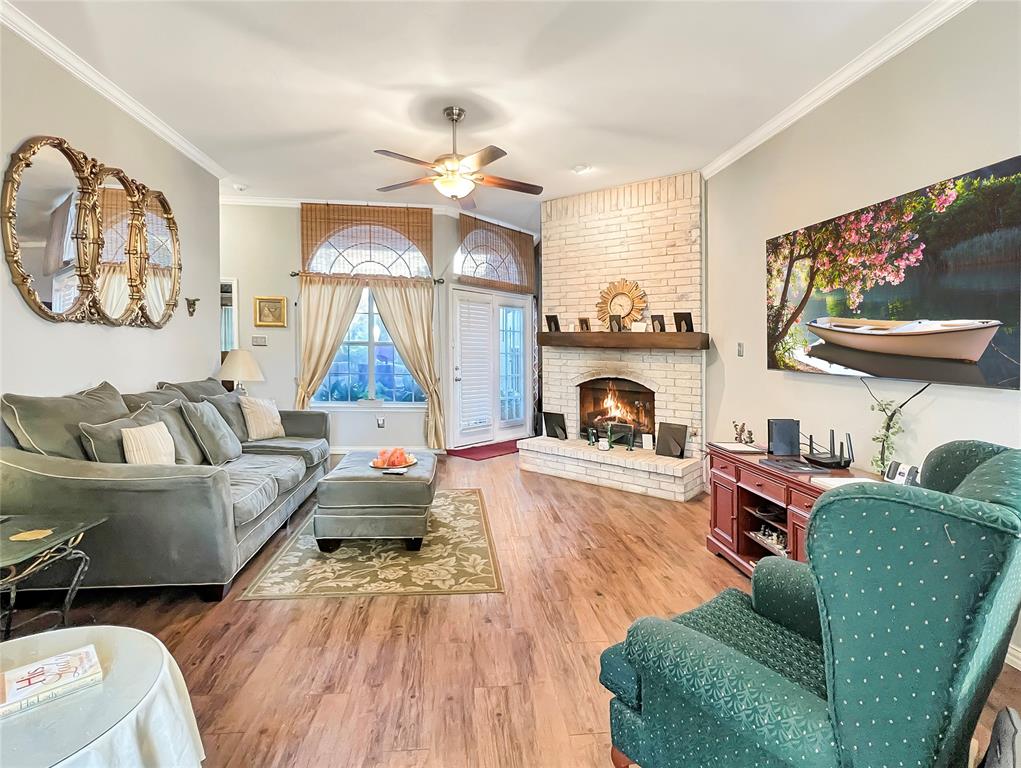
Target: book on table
x: 52, y: 678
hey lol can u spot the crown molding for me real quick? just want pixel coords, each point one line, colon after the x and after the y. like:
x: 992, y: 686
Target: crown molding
x: 932, y: 16
x: 295, y: 202
x: 39, y: 38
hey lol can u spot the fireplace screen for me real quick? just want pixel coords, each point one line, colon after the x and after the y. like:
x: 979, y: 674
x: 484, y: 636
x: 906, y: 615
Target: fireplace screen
x: 616, y: 401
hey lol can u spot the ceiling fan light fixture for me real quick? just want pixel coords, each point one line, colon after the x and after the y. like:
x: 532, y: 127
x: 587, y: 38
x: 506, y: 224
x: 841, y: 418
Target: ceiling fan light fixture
x: 453, y: 185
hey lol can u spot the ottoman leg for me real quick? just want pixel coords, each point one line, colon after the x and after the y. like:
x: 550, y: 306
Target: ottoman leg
x: 413, y: 545
x: 329, y: 545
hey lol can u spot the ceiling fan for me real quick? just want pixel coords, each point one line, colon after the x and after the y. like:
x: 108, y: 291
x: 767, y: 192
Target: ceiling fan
x: 456, y: 176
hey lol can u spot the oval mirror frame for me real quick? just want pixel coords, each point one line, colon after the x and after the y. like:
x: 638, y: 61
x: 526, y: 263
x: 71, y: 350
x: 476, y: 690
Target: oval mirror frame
x: 81, y: 310
x: 133, y: 262
x: 150, y: 315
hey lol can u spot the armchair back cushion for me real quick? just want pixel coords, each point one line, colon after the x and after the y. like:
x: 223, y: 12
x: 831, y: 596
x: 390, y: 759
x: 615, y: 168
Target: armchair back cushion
x: 219, y: 444
x: 195, y: 390
x: 49, y: 425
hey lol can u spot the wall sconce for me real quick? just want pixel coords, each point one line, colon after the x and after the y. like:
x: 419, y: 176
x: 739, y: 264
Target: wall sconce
x: 192, y: 305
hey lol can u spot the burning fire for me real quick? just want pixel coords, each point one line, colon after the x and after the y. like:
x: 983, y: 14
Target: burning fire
x: 617, y: 411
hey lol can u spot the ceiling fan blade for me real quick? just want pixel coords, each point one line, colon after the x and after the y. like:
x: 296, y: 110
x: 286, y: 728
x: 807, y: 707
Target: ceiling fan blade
x: 485, y: 156
x: 403, y: 184
x: 406, y: 159
x: 514, y: 186
x: 467, y: 203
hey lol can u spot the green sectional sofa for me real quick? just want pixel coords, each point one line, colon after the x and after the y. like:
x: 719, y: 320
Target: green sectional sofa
x: 193, y: 523
x: 880, y: 651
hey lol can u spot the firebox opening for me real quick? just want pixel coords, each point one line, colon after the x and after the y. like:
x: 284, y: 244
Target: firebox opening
x: 606, y: 401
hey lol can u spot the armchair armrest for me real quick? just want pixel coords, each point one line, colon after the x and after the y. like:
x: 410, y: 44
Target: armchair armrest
x: 747, y: 697
x: 165, y: 524
x: 306, y: 424
x: 783, y: 592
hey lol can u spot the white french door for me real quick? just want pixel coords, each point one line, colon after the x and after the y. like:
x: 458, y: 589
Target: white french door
x: 491, y: 366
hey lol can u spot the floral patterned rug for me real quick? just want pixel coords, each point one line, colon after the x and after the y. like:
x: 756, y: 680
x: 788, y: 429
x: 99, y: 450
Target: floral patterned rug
x: 457, y: 557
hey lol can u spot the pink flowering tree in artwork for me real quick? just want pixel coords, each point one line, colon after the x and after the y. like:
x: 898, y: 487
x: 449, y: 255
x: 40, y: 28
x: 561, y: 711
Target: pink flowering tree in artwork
x: 854, y: 252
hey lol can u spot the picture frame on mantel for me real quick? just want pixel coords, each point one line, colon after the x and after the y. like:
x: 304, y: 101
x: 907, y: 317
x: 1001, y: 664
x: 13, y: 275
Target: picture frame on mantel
x: 615, y: 324
x: 584, y: 324
x: 553, y: 323
x: 683, y: 322
x: 658, y: 324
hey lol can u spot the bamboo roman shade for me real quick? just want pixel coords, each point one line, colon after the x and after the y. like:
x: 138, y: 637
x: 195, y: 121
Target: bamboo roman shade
x: 493, y: 256
x: 374, y: 227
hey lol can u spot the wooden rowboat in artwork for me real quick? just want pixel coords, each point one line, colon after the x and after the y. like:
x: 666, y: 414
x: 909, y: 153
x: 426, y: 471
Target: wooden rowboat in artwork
x: 947, y: 339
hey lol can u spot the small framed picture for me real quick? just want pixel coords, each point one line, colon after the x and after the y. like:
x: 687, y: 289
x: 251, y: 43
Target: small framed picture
x: 556, y: 425
x: 270, y: 311
x: 616, y: 326
x: 553, y: 323
x: 658, y: 324
x: 682, y: 321
x: 671, y: 439
x: 584, y: 324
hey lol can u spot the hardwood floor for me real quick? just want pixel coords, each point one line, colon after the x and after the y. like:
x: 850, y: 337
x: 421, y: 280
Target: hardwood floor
x: 498, y: 680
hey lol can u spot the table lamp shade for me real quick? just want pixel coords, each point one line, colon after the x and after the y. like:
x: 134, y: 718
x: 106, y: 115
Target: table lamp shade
x: 240, y: 365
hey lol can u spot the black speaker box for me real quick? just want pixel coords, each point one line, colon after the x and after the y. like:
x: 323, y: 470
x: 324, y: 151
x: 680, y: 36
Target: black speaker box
x: 785, y: 437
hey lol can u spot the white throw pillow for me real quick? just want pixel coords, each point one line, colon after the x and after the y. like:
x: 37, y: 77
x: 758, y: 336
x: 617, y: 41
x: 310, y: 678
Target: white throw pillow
x: 151, y: 444
x: 261, y: 417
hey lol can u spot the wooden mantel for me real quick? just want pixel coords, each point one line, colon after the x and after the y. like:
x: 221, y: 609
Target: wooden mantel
x: 625, y: 340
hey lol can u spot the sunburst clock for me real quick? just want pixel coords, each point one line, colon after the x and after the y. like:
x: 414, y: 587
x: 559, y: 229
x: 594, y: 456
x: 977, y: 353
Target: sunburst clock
x: 621, y: 297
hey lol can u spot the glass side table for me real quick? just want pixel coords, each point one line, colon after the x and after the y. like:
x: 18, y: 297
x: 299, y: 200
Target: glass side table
x: 32, y: 543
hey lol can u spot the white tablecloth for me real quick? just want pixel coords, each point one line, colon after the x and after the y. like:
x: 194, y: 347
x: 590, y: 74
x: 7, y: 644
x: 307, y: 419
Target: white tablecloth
x: 139, y: 716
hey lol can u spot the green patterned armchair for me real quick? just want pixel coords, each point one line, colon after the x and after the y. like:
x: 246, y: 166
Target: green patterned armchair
x: 880, y: 652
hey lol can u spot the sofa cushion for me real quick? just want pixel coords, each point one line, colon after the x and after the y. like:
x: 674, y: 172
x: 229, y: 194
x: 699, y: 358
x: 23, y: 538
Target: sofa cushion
x: 262, y: 418
x: 229, y: 406
x: 104, y: 442
x: 186, y: 448
x: 620, y: 678
x: 312, y: 449
x: 195, y: 390
x: 156, y: 397
x: 49, y: 425
x: 286, y: 470
x: 218, y: 443
x: 150, y: 444
x: 250, y: 494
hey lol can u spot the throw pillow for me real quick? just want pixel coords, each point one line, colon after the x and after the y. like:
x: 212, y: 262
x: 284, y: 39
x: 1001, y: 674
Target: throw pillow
x: 151, y: 444
x: 102, y: 442
x: 186, y: 448
x: 219, y: 444
x: 156, y: 397
x: 261, y: 418
x: 194, y: 390
x: 229, y: 406
x: 49, y: 425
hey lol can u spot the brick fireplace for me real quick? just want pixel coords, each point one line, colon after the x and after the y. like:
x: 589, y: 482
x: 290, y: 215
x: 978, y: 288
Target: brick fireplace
x: 649, y: 231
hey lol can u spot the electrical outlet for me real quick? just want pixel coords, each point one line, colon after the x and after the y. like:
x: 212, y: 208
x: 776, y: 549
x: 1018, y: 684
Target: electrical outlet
x: 259, y: 341
x: 381, y: 422
x: 740, y: 349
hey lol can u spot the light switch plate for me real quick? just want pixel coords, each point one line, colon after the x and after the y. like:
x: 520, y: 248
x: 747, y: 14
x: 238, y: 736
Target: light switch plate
x: 259, y: 341
x: 740, y: 349
x: 381, y: 422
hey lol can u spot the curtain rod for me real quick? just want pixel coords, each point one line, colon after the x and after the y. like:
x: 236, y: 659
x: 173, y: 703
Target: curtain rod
x: 436, y: 281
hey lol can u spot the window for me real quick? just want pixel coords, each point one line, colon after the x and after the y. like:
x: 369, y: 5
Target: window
x: 369, y: 249
x: 512, y: 359
x: 367, y: 365
x: 487, y: 255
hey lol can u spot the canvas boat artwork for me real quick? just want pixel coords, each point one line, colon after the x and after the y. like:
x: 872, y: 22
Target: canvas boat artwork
x: 924, y: 286
x: 945, y: 339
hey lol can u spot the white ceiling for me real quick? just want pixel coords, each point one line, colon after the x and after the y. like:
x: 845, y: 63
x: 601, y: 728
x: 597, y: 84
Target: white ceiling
x: 292, y: 97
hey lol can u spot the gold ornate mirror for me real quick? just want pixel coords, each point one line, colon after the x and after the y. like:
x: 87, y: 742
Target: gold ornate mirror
x: 160, y: 259
x: 47, y: 211
x: 118, y: 212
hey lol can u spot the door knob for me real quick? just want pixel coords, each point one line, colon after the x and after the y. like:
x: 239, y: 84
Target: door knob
x: 457, y: 378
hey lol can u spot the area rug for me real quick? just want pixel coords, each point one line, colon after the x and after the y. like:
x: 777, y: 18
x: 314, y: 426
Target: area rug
x: 480, y: 452
x: 457, y: 557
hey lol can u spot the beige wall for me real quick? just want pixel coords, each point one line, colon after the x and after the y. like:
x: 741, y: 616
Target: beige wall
x: 947, y: 105
x: 40, y: 357
x: 260, y: 246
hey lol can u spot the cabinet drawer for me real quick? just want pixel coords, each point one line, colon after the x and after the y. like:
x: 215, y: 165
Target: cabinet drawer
x: 723, y: 466
x: 801, y: 501
x: 763, y: 486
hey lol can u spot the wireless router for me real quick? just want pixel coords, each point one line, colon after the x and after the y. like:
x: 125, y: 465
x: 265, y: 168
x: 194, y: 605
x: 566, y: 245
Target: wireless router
x: 830, y: 459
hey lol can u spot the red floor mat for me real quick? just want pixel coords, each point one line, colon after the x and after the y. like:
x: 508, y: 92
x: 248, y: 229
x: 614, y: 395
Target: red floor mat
x: 481, y: 452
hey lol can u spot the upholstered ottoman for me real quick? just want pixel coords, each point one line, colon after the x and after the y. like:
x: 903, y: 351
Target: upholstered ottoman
x: 356, y: 501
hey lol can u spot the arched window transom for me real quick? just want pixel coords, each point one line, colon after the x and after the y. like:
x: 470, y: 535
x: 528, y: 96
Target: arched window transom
x: 369, y: 249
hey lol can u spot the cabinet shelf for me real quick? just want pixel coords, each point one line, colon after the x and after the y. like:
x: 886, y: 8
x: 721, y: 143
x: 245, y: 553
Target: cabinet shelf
x: 779, y: 524
x: 766, y: 544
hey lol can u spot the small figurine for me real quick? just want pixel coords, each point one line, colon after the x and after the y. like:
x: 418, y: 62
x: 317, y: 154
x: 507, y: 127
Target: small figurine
x: 592, y: 434
x: 742, y: 434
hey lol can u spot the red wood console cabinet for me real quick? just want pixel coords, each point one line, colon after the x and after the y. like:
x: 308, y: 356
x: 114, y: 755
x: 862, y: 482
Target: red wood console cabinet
x: 748, y: 498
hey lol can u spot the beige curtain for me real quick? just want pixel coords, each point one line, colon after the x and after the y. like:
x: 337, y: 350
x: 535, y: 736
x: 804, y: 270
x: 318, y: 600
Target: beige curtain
x: 159, y: 283
x: 113, y: 288
x: 327, y: 304
x: 406, y: 308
